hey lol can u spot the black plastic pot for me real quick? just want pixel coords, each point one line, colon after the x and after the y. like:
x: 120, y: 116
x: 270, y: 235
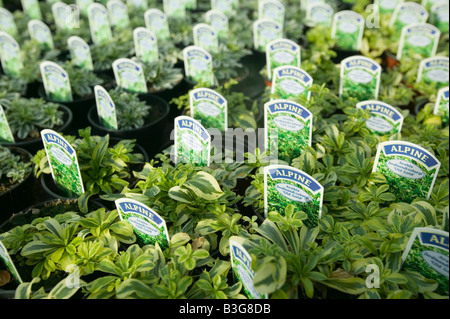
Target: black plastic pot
x: 19, y: 196
x: 149, y: 136
x: 419, y: 106
x: 79, y: 107
x: 33, y: 145
x: 343, y: 54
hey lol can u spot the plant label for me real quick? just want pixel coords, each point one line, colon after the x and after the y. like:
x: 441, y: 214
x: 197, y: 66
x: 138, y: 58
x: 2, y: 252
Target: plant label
x: 32, y: 9
x: 156, y: 21
x: 418, y: 41
x: 385, y: 120
x: 288, y: 129
x: 265, y: 31
x: 434, y: 70
x: 99, y: 23
x: 410, y: 170
x: 118, y: 14
x: 348, y: 30
x: 407, y: 13
x: 441, y: 107
x: 63, y: 162
x: 80, y: 53
x: 10, y: 55
x: 138, y: 4
x: 192, y: 142
x: 41, y: 33
x: 56, y: 82
x: 149, y: 227
x: 282, y: 52
x: 285, y: 185
x: 439, y: 16
x: 129, y: 75
x: 305, y: 3
x: 198, y: 65
x: 360, y: 78
x: 387, y: 7
x: 174, y: 9
x: 271, y: 9
x: 84, y: 5
x: 319, y: 14
x: 209, y: 108
x: 64, y: 15
x: 291, y: 82
x: 206, y: 37
x: 226, y: 6
x: 427, y: 254
x: 190, y: 4
x: 9, y: 264
x: 5, y: 131
x: 106, y: 108
x: 241, y: 263
x: 219, y: 21
x: 146, y: 45
x: 7, y: 22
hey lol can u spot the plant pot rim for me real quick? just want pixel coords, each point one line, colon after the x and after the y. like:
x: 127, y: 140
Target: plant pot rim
x: 67, y: 124
x: 93, y: 120
x: 28, y: 176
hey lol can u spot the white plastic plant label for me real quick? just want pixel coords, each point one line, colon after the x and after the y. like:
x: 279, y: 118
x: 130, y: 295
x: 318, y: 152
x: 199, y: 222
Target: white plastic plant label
x: 174, y: 8
x: 192, y: 143
x: 7, y: 23
x: 282, y: 52
x: 418, y: 41
x: 209, y: 108
x: 106, y: 108
x: 99, y: 23
x: 129, y: 75
x: 360, y: 78
x: 241, y: 263
x: 410, y: 170
x: 5, y: 131
x: 285, y: 185
x: 10, y: 55
x: 198, y: 65
x: 9, y: 264
x: 226, y: 6
x: 407, y: 13
x: 288, y: 129
x: 56, y: 82
x: 206, y: 37
x: 427, y: 254
x: 441, y: 108
x: 65, y: 16
x: 385, y: 120
x: 434, y: 71
x: 80, y: 53
x: 41, y: 33
x: 348, y: 30
x: 63, y: 162
x: 156, y: 21
x: 149, y: 227
x: 439, y: 16
x: 319, y: 14
x: 118, y: 14
x: 291, y: 82
x: 305, y: 3
x: 428, y: 4
x: 219, y: 21
x: 387, y: 7
x: 265, y: 31
x: 146, y: 45
x: 32, y: 9
x: 271, y: 9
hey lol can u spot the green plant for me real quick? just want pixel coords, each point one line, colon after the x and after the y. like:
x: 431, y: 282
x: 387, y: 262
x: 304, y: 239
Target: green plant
x: 13, y: 169
x: 25, y: 124
x: 82, y: 81
x: 162, y: 75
